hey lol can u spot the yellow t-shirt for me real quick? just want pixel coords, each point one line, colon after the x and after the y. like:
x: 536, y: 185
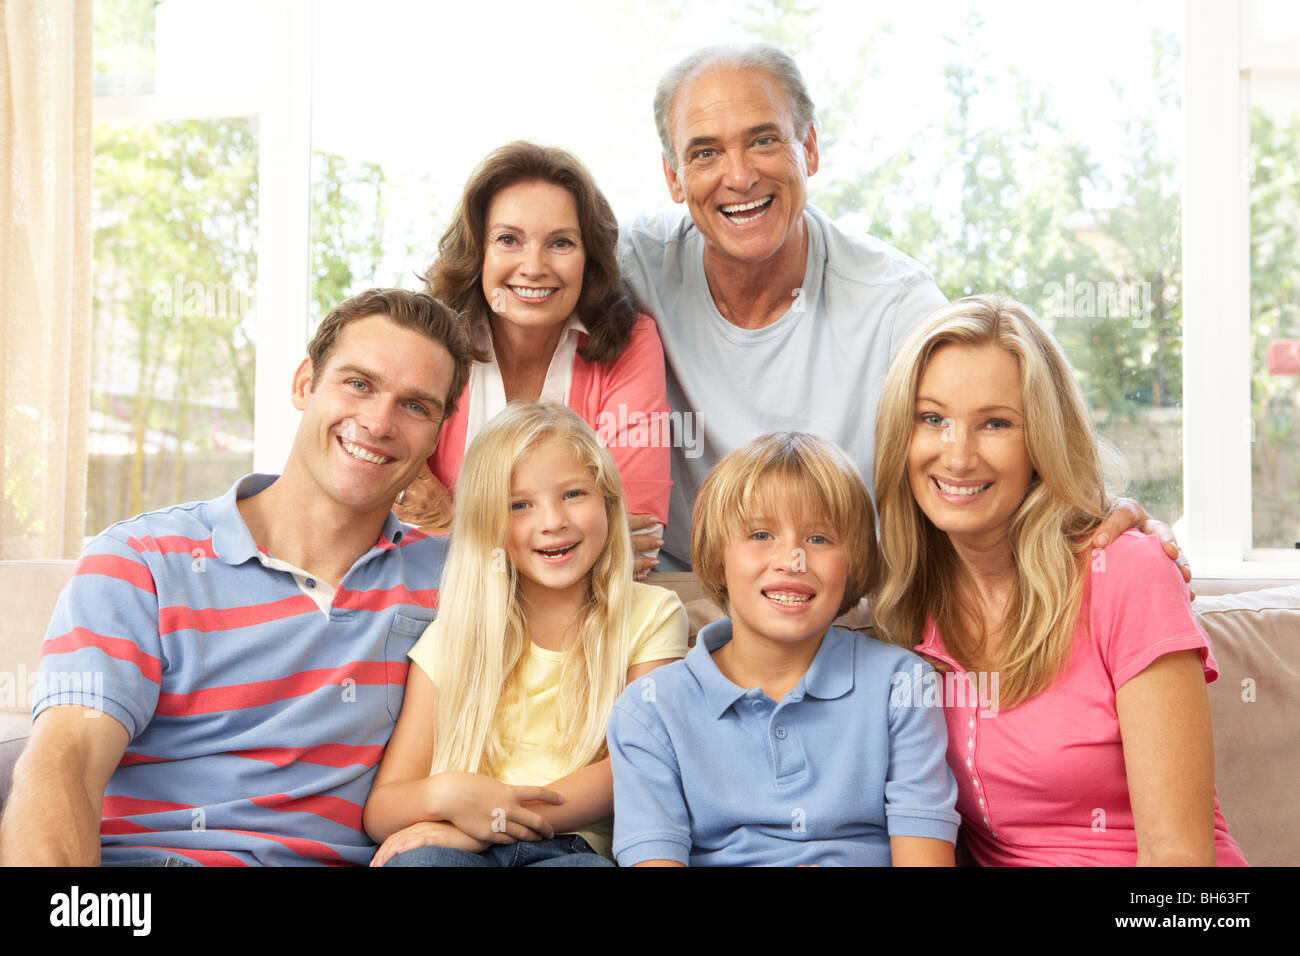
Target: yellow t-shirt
x: 657, y: 621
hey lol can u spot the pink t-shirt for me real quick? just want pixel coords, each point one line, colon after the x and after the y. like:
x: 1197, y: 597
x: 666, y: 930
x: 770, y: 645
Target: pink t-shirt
x: 1044, y: 783
x: 614, y: 398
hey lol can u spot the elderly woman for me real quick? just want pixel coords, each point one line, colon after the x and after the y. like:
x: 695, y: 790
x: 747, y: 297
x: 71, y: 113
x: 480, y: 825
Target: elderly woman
x: 1088, y: 664
x: 530, y: 260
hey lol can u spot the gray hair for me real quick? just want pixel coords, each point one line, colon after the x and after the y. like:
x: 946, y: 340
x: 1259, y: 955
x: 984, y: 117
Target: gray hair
x: 755, y: 56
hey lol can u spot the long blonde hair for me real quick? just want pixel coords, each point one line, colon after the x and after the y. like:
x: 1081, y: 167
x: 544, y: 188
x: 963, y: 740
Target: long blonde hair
x: 481, y: 633
x: 1066, y: 500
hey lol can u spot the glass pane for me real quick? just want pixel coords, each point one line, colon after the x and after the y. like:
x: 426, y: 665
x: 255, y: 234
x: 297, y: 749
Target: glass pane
x: 1059, y: 188
x: 124, y: 46
x: 174, y: 269
x: 1275, y: 308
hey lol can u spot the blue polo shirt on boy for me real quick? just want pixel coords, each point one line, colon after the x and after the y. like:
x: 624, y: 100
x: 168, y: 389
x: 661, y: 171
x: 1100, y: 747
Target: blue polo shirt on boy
x: 711, y: 774
x: 258, y: 699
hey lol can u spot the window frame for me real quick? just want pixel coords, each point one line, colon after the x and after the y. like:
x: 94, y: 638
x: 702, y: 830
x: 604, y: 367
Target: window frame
x: 1221, y: 50
x: 282, y: 107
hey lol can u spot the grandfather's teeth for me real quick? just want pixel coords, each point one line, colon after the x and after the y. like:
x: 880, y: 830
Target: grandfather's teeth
x: 743, y: 207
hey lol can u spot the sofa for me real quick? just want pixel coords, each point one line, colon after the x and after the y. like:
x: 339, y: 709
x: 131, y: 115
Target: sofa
x: 1254, y: 628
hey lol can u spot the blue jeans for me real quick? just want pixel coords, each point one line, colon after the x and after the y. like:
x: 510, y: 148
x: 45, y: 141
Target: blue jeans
x: 568, y: 849
x: 150, y: 861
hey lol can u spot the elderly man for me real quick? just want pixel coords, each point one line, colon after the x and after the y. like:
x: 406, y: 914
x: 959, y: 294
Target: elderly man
x: 771, y: 317
x: 243, y: 659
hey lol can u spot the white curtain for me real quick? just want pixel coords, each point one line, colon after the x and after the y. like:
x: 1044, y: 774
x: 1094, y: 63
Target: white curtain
x: 46, y: 93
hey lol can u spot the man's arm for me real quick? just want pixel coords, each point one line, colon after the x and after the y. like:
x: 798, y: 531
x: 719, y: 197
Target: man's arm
x: 105, y: 625
x: 52, y: 817
x: 1126, y: 514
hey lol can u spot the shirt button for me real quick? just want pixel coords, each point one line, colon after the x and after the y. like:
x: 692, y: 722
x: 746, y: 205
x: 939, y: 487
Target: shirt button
x: 968, y: 763
x: 976, y: 782
x: 981, y: 801
x: 970, y: 744
x: 780, y: 733
x: 972, y: 723
x: 987, y: 824
x: 310, y: 582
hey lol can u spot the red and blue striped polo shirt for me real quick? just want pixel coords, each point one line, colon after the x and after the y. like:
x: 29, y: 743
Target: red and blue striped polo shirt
x: 258, y: 700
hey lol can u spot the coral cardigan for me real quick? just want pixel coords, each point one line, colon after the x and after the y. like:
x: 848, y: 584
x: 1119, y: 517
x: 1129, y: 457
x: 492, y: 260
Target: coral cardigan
x: 625, y: 401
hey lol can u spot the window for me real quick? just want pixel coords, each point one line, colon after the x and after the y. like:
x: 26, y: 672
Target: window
x: 175, y: 268
x: 1109, y: 198
x: 1242, y: 64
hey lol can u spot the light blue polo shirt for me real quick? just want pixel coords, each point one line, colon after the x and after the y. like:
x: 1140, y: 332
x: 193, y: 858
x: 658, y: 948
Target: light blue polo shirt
x: 711, y: 774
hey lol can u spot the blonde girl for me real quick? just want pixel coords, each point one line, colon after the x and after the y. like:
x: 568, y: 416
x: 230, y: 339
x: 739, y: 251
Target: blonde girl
x: 499, y: 756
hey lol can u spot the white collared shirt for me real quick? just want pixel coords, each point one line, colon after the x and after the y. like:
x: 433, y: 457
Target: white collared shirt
x: 486, y: 393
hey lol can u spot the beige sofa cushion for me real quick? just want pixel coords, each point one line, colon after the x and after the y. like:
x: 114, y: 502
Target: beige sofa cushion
x: 1256, y: 703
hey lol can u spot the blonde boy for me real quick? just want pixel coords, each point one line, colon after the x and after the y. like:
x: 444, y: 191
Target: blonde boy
x: 776, y: 740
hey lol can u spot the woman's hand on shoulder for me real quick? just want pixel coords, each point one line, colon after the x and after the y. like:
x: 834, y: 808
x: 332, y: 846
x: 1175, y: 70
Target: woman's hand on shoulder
x: 427, y: 833
x: 491, y: 811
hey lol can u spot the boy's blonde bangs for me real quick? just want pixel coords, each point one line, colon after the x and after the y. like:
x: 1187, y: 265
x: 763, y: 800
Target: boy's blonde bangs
x: 785, y: 474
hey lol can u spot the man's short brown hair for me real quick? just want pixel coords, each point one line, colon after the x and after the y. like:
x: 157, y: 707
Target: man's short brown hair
x: 412, y: 310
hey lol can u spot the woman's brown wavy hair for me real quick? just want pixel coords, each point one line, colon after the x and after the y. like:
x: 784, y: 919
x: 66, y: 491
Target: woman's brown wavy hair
x: 456, y: 276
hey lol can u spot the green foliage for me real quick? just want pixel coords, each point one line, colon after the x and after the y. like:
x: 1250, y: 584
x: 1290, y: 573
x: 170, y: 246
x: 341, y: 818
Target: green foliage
x: 175, y: 265
x: 123, y: 43
x: 347, y: 229
x: 1275, y: 315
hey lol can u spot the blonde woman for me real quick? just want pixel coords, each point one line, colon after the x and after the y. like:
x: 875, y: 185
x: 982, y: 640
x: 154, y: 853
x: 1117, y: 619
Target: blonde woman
x: 1088, y: 665
x: 539, y: 628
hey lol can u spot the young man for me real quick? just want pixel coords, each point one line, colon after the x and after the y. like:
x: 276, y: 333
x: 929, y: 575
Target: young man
x: 240, y: 662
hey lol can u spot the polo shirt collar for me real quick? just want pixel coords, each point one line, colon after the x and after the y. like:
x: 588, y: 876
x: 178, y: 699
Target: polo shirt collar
x: 719, y: 693
x: 829, y: 676
x: 391, y: 533
x: 831, y: 673
x: 231, y: 540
